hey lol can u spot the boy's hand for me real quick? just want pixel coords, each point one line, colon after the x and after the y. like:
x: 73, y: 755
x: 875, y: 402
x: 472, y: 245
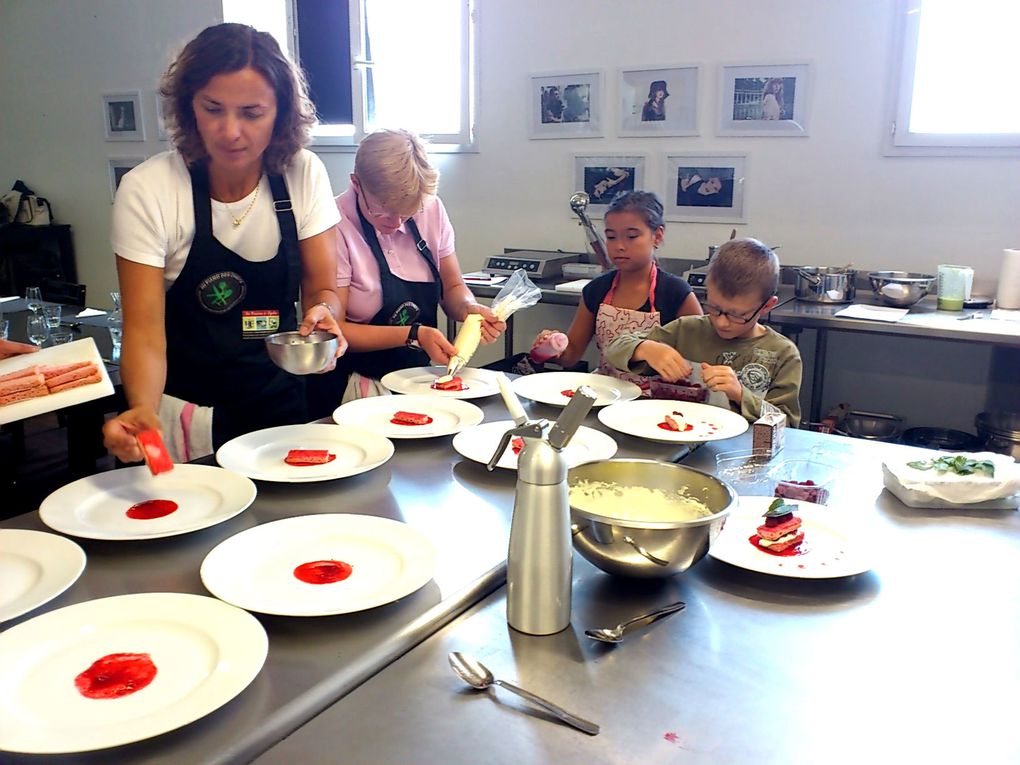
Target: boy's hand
x: 723, y: 379
x: 664, y: 359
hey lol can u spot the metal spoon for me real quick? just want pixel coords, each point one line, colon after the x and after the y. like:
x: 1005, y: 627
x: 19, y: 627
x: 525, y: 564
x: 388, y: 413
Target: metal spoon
x: 477, y: 675
x: 615, y: 634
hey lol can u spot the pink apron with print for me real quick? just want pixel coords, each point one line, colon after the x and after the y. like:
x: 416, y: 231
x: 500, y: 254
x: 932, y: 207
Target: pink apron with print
x: 611, y: 322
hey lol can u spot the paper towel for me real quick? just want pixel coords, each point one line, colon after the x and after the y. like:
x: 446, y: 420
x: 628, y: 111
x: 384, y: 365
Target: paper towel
x: 1009, y: 280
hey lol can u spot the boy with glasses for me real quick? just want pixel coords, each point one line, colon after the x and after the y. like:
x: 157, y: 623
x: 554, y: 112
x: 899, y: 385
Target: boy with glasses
x: 739, y: 357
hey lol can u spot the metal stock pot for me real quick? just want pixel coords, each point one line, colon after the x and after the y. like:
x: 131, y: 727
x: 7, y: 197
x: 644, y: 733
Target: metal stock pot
x: 825, y: 284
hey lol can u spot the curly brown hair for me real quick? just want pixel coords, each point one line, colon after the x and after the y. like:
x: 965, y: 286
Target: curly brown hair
x: 226, y: 48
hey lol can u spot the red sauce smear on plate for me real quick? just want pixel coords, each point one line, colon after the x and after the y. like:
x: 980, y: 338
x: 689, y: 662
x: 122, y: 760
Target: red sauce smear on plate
x: 116, y: 675
x: 789, y: 552
x: 567, y: 393
x: 455, y: 384
x: 323, y: 571
x: 151, y: 508
x: 665, y: 426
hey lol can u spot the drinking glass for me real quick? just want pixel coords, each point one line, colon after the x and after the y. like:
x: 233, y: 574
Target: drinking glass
x: 61, y: 336
x: 34, y: 298
x: 52, y: 314
x: 38, y: 329
x: 5, y: 326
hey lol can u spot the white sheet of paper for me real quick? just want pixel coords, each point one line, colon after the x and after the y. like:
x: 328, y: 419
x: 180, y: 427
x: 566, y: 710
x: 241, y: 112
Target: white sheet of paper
x: 89, y: 312
x: 873, y: 312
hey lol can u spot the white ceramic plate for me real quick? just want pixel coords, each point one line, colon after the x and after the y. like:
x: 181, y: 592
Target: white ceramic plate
x: 96, y: 507
x: 641, y: 418
x: 829, y: 551
x: 206, y: 652
x: 548, y: 387
x: 260, y: 455
x: 478, y: 383
x: 68, y: 353
x: 35, y: 567
x: 255, y: 568
x: 478, y: 444
x: 449, y: 415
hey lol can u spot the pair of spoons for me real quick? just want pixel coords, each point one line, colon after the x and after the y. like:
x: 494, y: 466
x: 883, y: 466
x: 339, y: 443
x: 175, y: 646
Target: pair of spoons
x: 478, y: 676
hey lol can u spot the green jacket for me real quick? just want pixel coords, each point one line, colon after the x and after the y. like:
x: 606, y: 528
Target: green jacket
x: 768, y: 367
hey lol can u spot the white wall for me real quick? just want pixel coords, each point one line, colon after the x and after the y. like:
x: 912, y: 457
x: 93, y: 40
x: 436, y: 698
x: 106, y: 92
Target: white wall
x: 830, y: 198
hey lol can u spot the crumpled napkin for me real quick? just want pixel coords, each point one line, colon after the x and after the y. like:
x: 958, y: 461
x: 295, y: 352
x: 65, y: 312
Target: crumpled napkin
x: 89, y: 312
x: 927, y: 488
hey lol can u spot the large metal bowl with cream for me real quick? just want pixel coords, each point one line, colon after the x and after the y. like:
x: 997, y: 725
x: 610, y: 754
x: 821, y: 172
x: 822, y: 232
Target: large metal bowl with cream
x: 657, y: 535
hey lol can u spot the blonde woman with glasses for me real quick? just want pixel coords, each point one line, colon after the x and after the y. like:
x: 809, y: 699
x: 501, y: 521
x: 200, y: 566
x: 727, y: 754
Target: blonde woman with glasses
x: 396, y: 265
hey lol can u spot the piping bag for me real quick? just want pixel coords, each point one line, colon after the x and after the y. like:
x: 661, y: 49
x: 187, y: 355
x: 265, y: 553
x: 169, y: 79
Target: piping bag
x: 518, y: 292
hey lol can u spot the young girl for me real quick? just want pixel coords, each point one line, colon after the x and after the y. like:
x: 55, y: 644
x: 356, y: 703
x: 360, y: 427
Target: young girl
x: 635, y: 297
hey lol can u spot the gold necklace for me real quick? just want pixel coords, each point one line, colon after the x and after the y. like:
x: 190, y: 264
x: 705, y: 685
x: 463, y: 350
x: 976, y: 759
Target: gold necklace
x: 238, y: 221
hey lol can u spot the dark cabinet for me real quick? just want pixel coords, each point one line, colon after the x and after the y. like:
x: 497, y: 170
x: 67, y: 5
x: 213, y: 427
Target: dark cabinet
x: 29, y: 255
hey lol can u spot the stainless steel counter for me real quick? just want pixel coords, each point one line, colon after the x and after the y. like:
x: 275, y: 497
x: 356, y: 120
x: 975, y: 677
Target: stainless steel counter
x: 312, y: 662
x: 915, y: 661
x: 924, y: 321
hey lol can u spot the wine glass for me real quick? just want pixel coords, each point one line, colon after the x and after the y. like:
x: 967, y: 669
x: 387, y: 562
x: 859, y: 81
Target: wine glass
x: 34, y: 298
x: 38, y: 328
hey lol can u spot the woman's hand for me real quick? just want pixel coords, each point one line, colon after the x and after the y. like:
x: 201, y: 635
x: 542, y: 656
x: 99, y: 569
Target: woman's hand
x: 664, y: 359
x: 436, y: 345
x: 492, y: 327
x: 319, y: 317
x: 11, y: 348
x: 723, y: 379
x: 120, y: 432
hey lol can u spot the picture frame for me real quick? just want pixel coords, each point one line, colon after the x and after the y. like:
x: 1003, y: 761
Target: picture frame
x: 603, y: 176
x: 565, y: 105
x: 644, y: 109
x: 706, y: 188
x: 122, y: 116
x: 118, y: 166
x: 765, y: 99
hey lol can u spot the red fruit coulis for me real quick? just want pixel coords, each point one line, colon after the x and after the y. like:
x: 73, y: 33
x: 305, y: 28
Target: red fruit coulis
x: 323, y: 571
x: 151, y: 508
x: 665, y: 426
x: 455, y: 384
x: 567, y: 393
x: 116, y: 675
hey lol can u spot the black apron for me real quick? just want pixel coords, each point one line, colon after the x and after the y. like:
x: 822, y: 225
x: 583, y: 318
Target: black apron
x: 403, y: 303
x: 217, y: 313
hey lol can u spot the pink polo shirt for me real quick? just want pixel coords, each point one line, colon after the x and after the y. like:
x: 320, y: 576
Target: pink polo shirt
x: 356, y: 267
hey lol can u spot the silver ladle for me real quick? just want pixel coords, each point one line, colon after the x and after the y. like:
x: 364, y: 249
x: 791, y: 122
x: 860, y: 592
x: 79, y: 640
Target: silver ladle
x: 615, y: 634
x: 477, y: 675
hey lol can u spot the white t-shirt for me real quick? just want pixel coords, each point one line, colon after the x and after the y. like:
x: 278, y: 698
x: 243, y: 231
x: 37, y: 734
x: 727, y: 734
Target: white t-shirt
x: 154, y: 219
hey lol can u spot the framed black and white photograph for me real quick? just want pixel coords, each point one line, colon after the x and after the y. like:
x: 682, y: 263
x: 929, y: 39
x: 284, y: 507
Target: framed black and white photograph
x: 122, y: 116
x: 705, y: 188
x: 602, y: 177
x: 118, y: 169
x: 567, y: 105
x: 764, y: 99
x: 661, y: 101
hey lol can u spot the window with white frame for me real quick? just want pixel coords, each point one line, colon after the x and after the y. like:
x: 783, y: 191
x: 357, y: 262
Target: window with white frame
x: 957, y: 80
x: 379, y: 63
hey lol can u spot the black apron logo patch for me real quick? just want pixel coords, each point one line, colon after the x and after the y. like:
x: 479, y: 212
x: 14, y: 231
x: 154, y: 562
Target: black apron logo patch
x: 405, y: 313
x: 220, y: 292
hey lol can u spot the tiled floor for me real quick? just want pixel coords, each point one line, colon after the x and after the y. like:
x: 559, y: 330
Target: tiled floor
x: 25, y: 483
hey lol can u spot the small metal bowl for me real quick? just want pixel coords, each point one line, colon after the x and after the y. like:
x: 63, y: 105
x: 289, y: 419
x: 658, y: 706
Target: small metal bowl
x: 648, y: 549
x: 901, y: 288
x: 302, y: 354
x: 873, y: 426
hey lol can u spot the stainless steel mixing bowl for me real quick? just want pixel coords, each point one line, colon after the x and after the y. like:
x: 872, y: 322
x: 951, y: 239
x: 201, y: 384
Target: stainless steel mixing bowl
x: 901, y: 288
x: 648, y: 549
x: 302, y: 355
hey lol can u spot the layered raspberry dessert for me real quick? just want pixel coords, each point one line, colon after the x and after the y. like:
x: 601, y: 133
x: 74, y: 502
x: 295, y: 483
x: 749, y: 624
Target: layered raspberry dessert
x: 781, y: 533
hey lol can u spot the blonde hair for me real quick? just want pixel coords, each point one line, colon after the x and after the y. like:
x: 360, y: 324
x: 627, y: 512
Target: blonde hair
x: 393, y: 166
x: 744, y: 267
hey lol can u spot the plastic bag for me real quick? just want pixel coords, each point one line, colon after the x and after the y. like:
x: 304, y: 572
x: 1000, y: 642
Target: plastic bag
x: 518, y: 292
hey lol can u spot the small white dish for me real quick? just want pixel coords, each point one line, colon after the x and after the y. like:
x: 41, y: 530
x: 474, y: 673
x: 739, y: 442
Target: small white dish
x: 551, y: 387
x: 478, y: 383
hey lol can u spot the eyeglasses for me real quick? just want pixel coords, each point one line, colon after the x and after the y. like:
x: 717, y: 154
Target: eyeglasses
x: 736, y: 318
x: 383, y: 214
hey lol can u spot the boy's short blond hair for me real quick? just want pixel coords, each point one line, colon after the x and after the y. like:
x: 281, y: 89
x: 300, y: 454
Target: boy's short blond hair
x: 393, y: 166
x: 744, y: 267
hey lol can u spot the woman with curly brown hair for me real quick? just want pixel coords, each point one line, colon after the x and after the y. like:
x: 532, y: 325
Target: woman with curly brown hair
x: 215, y: 242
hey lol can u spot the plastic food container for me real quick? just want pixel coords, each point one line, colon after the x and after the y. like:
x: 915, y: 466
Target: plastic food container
x: 803, y: 480
x: 746, y: 471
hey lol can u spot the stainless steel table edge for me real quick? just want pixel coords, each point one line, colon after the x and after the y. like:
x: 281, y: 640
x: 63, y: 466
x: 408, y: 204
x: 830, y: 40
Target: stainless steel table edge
x: 301, y: 710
